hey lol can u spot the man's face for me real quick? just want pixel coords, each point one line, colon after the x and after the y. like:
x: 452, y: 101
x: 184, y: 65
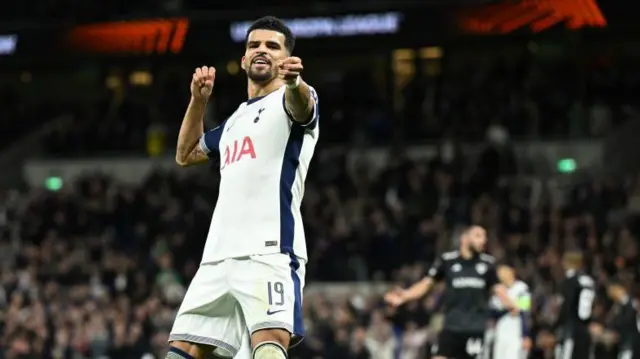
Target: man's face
x: 505, y: 274
x: 615, y: 292
x: 477, y: 239
x: 264, y: 49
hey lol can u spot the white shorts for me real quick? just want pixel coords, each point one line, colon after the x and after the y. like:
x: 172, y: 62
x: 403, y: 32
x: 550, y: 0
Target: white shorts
x: 508, y: 349
x: 227, y: 299
x: 244, y: 352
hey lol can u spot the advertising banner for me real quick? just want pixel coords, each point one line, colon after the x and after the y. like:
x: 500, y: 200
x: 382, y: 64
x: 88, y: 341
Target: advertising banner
x: 329, y: 32
x: 348, y: 32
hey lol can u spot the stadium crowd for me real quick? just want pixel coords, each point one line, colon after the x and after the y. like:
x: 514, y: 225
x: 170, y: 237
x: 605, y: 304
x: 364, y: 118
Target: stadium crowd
x: 517, y: 89
x: 97, y: 269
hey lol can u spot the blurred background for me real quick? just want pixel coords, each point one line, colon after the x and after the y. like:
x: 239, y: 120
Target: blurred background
x: 522, y: 116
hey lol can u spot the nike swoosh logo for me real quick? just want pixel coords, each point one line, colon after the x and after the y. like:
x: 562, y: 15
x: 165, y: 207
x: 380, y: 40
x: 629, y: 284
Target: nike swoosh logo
x: 272, y: 312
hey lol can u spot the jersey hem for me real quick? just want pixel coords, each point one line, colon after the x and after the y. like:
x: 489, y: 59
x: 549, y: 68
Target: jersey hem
x: 218, y: 260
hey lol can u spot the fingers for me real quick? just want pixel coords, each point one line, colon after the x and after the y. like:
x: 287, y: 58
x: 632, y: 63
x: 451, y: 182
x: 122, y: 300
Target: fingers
x: 290, y: 60
x: 297, y: 67
x: 290, y: 72
x: 291, y: 69
x: 290, y: 66
x: 392, y: 298
x: 204, y: 75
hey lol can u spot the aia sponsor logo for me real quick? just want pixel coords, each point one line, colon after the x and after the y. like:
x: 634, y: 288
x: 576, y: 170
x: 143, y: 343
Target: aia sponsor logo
x: 237, y: 151
x: 145, y: 37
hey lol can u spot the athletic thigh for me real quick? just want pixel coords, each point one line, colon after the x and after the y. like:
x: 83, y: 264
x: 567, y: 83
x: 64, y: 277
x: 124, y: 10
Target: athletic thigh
x: 454, y: 345
x: 208, y: 314
x: 508, y: 349
x: 269, y: 290
x: 245, y: 351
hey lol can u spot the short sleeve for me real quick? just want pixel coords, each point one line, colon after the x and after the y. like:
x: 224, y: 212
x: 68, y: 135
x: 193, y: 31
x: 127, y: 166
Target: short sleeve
x: 210, y: 140
x: 437, y: 269
x: 315, y: 114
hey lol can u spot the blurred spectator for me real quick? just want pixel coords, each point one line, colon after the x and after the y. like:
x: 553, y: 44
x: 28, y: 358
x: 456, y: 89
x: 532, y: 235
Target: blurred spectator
x: 102, y: 266
x: 517, y: 97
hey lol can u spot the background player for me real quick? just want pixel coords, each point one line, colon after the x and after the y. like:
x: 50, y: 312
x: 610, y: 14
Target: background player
x: 470, y: 276
x: 625, y: 322
x: 572, y: 325
x: 252, y: 271
x: 511, y: 334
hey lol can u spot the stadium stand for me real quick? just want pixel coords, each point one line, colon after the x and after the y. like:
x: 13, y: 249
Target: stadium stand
x: 99, y: 268
x: 526, y: 96
x: 96, y: 268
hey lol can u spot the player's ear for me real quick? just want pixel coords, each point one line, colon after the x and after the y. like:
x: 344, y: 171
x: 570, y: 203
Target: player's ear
x: 242, y: 63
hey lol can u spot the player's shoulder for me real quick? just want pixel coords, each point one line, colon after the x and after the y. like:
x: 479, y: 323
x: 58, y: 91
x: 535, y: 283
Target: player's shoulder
x: 244, y: 104
x: 521, y: 286
x: 585, y: 280
x: 487, y: 258
x: 450, y: 256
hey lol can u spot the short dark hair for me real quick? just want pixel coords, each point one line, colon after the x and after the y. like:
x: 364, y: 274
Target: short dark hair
x: 274, y: 24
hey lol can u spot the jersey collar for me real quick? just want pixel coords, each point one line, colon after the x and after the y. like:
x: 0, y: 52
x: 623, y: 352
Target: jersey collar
x: 624, y: 300
x: 255, y: 99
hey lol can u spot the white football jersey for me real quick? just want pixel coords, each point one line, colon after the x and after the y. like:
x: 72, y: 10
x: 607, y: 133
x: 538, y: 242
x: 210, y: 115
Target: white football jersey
x: 264, y: 158
x: 509, y: 325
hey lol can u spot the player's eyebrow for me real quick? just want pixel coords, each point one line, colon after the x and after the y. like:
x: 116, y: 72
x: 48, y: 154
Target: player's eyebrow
x: 270, y: 43
x: 273, y: 43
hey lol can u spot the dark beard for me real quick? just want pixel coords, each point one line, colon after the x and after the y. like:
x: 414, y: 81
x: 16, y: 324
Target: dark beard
x: 259, y: 78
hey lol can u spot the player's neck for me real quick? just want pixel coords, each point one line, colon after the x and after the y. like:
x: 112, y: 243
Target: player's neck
x: 571, y: 272
x: 624, y: 299
x: 509, y: 283
x: 466, y: 253
x: 258, y: 90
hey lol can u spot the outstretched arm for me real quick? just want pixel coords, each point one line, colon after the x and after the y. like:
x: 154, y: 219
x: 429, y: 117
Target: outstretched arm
x: 299, y: 98
x: 398, y: 297
x: 418, y: 290
x: 299, y: 102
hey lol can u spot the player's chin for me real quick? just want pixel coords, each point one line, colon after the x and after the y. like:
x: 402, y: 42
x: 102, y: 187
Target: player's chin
x: 477, y: 249
x: 260, y: 76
